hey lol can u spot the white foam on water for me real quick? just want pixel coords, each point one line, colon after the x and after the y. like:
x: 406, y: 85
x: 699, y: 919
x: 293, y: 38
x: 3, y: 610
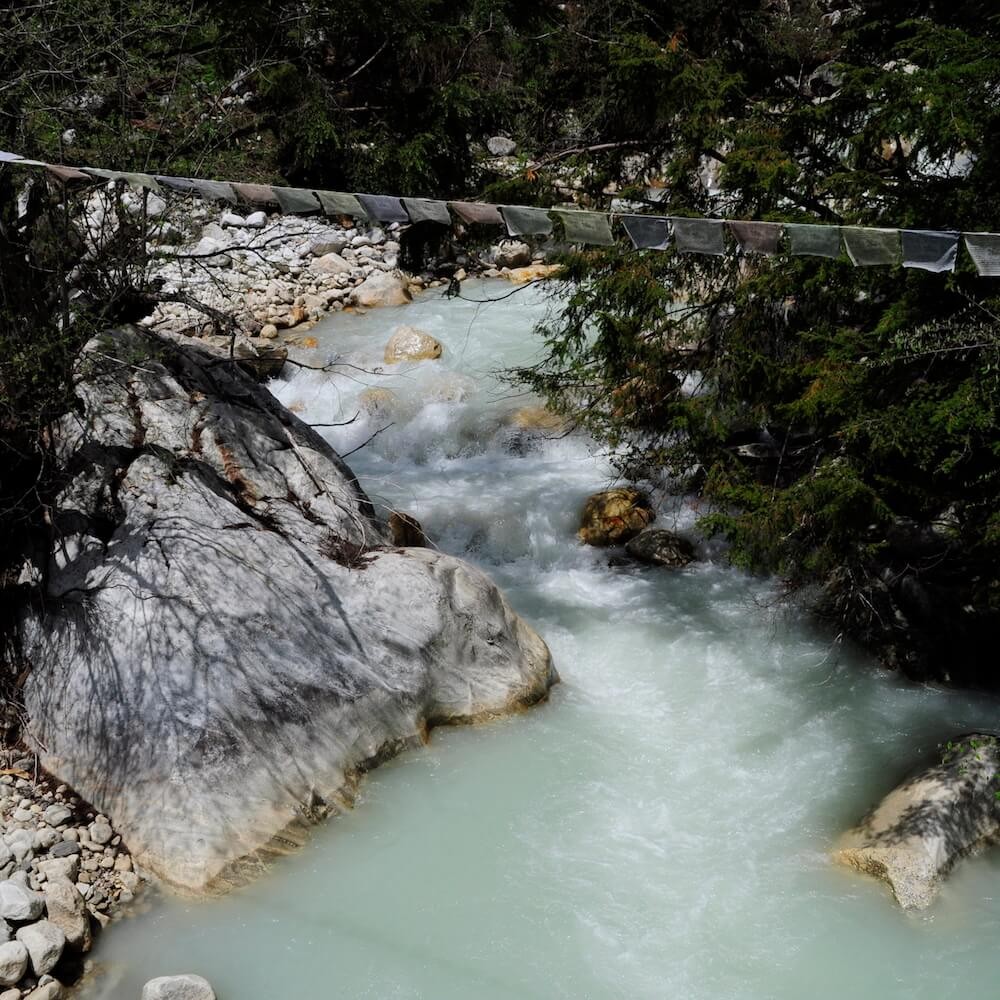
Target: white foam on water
x: 659, y: 829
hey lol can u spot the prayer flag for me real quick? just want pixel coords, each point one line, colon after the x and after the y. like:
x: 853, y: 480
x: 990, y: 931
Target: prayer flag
x: 871, y: 247
x: 383, y: 208
x: 256, y: 194
x: 814, y: 241
x: 984, y: 249
x: 757, y: 237
x: 930, y: 251
x: 296, y: 201
x: 215, y: 190
x: 524, y: 221
x: 475, y: 214
x: 699, y: 235
x: 427, y: 210
x: 586, y: 227
x: 182, y: 184
x: 338, y: 203
x: 647, y: 232
x: 67, y: 175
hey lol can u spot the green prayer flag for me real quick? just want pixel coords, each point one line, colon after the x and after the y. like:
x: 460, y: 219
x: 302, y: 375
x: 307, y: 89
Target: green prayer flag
x: 871, y: 247
x: 586, y: 227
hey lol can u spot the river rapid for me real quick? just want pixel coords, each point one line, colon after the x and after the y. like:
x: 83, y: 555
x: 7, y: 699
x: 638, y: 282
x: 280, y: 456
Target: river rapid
x: 659, y: 828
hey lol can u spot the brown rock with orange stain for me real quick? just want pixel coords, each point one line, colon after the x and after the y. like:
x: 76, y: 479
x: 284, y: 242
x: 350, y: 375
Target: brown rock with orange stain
x: 614, y: 516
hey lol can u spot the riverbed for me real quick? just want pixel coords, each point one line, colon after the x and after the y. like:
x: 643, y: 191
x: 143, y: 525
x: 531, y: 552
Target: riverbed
x: 659, y: 828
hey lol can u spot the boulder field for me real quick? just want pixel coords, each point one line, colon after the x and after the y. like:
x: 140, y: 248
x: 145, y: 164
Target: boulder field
x: 228, y: 637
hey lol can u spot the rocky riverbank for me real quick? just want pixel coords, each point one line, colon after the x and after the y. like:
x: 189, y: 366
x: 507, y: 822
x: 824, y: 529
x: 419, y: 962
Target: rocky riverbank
x: 66, y: 874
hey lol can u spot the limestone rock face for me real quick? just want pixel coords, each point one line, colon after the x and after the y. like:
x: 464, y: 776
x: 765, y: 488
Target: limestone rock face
x: 660, y: 547
x: 913, y: 838
x: 612, y: 517
x: 229, y: 637
x: 382, y: 288
x: 178, y: 988
x: 410, y: 344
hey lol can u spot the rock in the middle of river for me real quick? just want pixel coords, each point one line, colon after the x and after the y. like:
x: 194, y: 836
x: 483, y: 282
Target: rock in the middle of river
x: 229, y: 638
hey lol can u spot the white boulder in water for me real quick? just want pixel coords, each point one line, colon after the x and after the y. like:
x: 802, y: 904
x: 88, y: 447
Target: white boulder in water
x: 917, y: 833
x: 229, y: 637
x: 410, y: 344
x: 178, y: 988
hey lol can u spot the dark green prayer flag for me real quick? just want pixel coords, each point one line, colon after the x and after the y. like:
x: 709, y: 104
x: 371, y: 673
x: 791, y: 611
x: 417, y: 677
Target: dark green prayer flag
x: 427, y: 210
x: 699, y: 235
x: 813, y: 241
x: 296, y: 201
x: 586, y: 227
x: 524, y: 221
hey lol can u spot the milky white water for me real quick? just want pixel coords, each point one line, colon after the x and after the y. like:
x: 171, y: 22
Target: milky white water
x: 659, y: 829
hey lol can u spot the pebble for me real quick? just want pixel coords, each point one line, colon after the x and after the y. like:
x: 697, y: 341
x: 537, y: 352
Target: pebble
x: 13, y: 962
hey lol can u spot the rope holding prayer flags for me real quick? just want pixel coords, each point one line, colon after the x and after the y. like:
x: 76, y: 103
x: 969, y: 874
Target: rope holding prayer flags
x: 757, y: 237
x: 699, y: 235
x: 930, y: 250
x: 647, y: 232
x: 586, y: 227
x: 813, y: 241
x: 871, y: 247
x: 525, y: 221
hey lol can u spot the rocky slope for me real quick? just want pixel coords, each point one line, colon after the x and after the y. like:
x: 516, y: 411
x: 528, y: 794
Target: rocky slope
x: 228, y: 638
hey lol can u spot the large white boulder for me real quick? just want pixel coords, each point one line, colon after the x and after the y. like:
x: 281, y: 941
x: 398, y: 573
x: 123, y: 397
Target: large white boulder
x: 917, y: 833
x: 382, y: 288
x: 229, y: 637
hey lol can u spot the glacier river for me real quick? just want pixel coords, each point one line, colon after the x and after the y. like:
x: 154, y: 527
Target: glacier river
x: 659, y: 828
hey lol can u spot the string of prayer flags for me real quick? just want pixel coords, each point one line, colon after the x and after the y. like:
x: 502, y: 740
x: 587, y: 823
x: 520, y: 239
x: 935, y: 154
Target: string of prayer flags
x: 871, y: 247
x: 524, y: 221
x: 930, y: 250
x: 255, y: 194
x: 476, y: 214
x: 216, y: 191
x: 757, y: 237
x: 340, y: 203
x: 296, y: 201
x: 586, y: 227
x: 700, y: 235
x: 427, y: 210
x: 984, y: 249
x: 6, y: 157
x: 383, y: 208
x: 813, y: 241
x: 647, y: 232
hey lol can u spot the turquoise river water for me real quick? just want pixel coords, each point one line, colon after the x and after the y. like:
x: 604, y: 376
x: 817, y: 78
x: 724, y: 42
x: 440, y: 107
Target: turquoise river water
x: 660, y: 828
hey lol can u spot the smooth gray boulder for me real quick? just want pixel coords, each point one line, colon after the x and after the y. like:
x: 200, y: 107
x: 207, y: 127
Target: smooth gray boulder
x: 660, y: 547
x: 230, y: 638
x: 13, y: 962
x: 65, y: 908
x: 178, y: 988
x: 18, y: 903
x: 45, y: 943
x: 917, y: 833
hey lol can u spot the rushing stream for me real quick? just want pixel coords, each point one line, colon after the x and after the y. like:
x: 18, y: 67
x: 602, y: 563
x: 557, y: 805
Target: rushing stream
x: 659, y: 829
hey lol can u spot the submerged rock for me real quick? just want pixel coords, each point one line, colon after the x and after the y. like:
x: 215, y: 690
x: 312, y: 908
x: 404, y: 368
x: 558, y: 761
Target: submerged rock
x: 538, y: 418
x: 178, y: 988
x: 410, y: 344
x: 660, y: 547
x: 228, y: 637
x: 614, y: 516
x: 913, y: 838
